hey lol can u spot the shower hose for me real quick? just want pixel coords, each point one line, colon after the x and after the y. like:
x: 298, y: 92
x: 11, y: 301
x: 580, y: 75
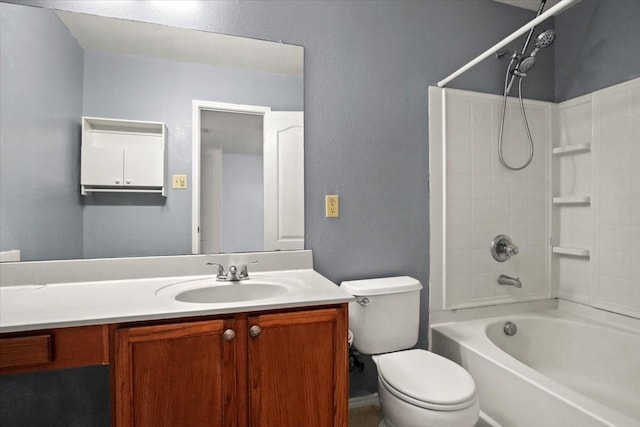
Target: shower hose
x: 507, y: 86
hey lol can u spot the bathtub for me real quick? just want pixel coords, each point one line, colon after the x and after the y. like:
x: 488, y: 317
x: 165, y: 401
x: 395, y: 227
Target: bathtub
x: 559, y: 369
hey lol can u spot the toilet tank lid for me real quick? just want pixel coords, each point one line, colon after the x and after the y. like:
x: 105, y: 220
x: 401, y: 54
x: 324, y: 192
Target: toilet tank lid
x: 387, y: 285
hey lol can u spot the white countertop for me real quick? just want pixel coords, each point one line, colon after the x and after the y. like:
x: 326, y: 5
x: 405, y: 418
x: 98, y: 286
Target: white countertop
x: 44, y: 306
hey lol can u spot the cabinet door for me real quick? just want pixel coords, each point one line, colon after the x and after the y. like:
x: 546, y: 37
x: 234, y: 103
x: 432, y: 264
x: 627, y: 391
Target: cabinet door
x: 102, y: 166
x: 144, y: 167
x: 298, y: 373
x: 176, y: 375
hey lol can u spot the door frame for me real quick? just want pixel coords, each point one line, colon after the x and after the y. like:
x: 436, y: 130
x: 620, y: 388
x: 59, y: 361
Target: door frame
x: 197, y: 107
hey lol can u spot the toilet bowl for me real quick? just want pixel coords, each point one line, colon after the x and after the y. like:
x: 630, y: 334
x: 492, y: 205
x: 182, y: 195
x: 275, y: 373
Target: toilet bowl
x: 419, y: 388
x: 415, y: 387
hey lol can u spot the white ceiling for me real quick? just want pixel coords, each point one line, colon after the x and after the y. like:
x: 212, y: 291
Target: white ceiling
x: 529, y: 4
x: 236, y: 133
x: 179, y: 44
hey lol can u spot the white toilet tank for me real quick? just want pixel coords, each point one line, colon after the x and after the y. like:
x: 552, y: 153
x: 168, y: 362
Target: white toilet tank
x: 386, y: 314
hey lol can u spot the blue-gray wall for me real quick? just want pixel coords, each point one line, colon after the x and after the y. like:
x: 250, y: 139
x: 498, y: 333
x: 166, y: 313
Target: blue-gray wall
x: 138, y: 88
x: 598, y: 46
x: 40, y: 102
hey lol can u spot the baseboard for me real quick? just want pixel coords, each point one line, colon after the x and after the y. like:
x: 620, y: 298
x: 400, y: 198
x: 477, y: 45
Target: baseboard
x: 360, y: 401
x: 486, y: 421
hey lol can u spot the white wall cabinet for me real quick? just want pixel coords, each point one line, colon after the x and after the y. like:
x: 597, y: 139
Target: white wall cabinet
x: 123, y: 156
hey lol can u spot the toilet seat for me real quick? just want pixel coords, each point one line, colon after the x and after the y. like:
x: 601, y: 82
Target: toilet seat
x: 426, y: 380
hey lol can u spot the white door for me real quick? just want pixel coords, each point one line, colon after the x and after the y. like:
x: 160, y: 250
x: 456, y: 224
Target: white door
x: 283, y: 180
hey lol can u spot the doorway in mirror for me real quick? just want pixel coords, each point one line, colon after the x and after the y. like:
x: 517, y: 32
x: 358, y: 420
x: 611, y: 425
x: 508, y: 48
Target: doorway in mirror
x: 248, y: 174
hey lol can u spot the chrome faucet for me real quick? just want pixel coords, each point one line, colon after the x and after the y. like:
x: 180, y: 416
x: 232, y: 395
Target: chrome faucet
x: 502, y: 248
x: 503, y: 279
x: 232, y: 275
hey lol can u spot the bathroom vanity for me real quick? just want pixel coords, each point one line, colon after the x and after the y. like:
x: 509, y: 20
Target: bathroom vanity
x: 280, y: 360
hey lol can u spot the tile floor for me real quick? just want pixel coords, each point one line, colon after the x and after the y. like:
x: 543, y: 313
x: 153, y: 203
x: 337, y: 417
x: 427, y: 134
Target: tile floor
x: 365, y: 416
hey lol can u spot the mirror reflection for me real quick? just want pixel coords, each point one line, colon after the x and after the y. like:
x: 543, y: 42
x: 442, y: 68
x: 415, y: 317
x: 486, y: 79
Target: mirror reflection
x: 233, y: 112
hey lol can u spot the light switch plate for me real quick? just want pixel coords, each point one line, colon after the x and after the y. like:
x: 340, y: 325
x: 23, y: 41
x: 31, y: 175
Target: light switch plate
x: 179, y: 181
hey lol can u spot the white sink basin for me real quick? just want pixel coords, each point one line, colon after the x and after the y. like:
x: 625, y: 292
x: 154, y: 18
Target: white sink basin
x: 231, y: 292
x: 210, y: 291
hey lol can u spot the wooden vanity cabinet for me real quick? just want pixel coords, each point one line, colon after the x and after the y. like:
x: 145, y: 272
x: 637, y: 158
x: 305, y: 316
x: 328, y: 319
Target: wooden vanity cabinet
x: 274, y: 369
x: 298, y: 369
x: 175, y: 374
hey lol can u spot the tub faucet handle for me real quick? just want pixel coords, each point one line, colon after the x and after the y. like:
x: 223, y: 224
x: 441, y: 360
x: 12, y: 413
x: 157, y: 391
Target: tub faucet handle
x: 511, y: 249
x: 502, y: 248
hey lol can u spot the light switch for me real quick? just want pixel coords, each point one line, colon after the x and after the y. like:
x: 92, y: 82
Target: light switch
x: 179, y: 181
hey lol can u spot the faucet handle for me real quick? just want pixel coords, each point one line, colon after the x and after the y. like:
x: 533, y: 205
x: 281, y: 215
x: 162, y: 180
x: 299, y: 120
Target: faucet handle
x: 221, y: 274
x: 502, y: 248
x: 511, y: 250
x: 244, y: 271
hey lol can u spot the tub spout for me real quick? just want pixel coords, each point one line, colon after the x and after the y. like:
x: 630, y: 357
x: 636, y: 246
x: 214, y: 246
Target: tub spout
x: 503, y: 279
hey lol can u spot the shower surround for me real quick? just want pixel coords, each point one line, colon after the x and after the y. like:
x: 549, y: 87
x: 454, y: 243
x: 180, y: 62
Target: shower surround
x: 474, y: 198
x: 574, y: 212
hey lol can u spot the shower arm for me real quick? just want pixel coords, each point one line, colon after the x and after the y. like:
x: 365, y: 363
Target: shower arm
x: 493, y: 49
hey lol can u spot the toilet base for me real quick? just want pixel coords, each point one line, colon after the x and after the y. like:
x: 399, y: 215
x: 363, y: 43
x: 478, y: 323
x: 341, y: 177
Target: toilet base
x: 397, y: 413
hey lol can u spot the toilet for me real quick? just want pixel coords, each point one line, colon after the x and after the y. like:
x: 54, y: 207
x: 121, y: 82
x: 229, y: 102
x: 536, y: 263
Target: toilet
x: 416, y: 388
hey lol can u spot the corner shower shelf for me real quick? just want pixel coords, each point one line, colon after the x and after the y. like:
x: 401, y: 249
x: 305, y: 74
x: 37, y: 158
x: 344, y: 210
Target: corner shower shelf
x: 579, y: 252
x: 572, y: 200
x: 572, y: 149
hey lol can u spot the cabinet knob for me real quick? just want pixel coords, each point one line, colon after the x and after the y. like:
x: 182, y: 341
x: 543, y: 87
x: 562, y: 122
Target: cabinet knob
x: 255, y: 331
x: 117, y: 181
x: 228, y: 335
x: 129, y: 181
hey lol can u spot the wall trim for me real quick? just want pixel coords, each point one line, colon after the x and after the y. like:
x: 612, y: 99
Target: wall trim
x: 362, y: 401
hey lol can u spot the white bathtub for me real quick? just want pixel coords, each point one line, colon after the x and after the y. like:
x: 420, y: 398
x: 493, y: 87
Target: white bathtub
x: 559, y: 369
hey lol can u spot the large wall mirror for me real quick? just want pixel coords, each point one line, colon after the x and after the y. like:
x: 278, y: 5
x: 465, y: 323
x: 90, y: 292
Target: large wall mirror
x: 233, y: 111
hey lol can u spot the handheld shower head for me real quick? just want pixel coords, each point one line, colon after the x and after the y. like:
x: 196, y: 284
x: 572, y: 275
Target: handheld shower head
x: 524, y: 66
x: 545, y: 39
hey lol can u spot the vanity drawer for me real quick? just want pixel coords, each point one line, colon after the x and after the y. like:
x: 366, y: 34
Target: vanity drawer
x: 25, y: 351
x: 54, y: 349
